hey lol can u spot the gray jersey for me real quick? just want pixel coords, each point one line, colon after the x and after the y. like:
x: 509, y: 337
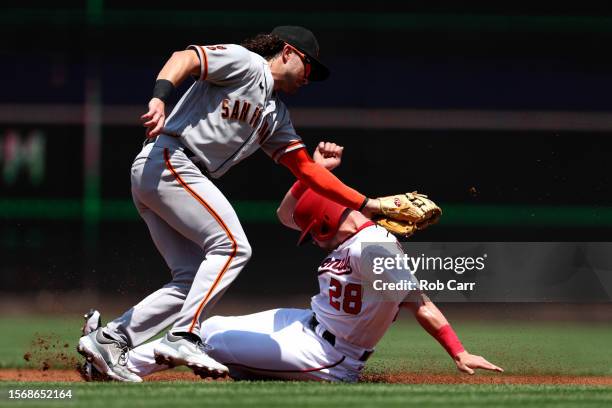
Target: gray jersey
x: 232, y: 110
x: 226, y: 115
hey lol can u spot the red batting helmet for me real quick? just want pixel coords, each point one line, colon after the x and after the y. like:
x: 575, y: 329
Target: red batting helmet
x: 318, y: 216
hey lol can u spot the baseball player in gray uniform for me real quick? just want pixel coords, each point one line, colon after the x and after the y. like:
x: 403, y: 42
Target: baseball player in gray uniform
x: 231, y: 110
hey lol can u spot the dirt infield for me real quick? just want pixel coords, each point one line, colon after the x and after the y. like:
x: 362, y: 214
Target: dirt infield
x: 420, y: 378
x: 52, y: 375
x: 66, y: 375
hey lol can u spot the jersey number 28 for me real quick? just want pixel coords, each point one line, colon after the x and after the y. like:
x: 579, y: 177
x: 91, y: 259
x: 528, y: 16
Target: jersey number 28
x: 351, y: 298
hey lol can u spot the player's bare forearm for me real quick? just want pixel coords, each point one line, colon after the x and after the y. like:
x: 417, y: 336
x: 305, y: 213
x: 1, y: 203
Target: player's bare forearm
x: 426, y: 313
x: 180, y: 65
x: 176, y: 69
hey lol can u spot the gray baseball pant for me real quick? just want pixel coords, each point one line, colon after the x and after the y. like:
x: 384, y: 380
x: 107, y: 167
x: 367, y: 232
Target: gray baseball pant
x: 197, y: 232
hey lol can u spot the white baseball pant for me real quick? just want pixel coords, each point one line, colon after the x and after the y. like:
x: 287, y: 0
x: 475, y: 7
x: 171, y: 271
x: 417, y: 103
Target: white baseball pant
x: 275, y: 344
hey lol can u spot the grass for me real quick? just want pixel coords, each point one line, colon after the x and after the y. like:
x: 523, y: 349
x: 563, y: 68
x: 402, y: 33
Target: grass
x: 277, y: 394
x: 520, y: 347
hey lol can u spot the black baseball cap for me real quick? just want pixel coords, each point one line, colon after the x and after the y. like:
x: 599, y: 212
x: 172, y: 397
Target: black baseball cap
x: 305, y: 41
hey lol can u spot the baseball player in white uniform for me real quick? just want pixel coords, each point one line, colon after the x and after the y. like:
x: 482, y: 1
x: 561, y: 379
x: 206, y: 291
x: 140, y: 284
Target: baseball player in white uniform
x: 334, y: 338
x: 230, y: 111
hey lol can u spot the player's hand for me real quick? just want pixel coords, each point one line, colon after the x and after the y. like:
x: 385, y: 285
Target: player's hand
x: 372, y: 208
x: 328, y: 155
x: 467, y: 363
x: 155, y: 118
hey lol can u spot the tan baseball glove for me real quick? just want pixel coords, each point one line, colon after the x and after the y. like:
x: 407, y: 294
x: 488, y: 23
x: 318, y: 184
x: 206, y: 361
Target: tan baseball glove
x: 404, y: 214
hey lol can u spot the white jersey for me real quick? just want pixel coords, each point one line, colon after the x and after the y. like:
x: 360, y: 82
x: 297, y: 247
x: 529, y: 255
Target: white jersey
x: 231, y: 110
x: 341, y: 306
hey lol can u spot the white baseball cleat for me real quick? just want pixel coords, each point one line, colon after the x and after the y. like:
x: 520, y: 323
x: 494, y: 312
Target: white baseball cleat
x: 178, y: 350
x: 93, y: 321
x: 90, y: 374
x: 107, y: 355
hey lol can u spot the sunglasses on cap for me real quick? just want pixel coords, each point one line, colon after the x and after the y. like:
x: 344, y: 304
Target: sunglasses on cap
x: 305, y: 61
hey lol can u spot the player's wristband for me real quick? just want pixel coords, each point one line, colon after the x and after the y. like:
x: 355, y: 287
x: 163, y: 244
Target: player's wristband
x: 447, y: 337
x: 163, y: 89
x: 297, y: 189
x: 365, y: 202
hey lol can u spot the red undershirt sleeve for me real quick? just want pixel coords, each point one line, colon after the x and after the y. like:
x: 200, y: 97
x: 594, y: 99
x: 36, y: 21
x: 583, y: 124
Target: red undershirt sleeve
x: 321, y: 180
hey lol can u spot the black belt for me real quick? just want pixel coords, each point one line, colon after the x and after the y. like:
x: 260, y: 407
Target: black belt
x: 331, y: 339
x: 190, y: 155
x: 186, y: 150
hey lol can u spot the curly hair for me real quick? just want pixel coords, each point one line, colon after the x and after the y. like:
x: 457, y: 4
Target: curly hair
x: 266, y: 45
